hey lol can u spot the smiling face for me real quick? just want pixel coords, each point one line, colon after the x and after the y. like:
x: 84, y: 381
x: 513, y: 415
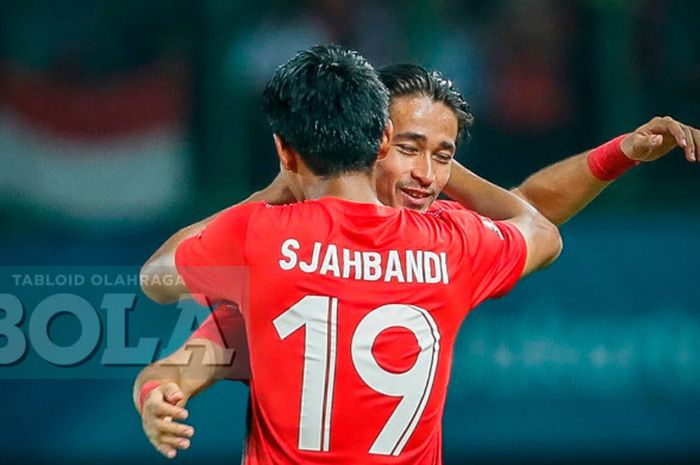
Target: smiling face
x: 418, y: 165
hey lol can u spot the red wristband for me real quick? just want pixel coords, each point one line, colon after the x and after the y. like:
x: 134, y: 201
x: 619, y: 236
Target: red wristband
x: 146, y: 389
x: 608, y: 162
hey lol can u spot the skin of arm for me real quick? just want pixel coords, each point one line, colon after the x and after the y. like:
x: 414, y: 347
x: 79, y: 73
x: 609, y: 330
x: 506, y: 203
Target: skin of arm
x: 562, y: 190
x: 558, y: 191
x: 544, y: 243
x: 160, y: 268
x: 185, y: 373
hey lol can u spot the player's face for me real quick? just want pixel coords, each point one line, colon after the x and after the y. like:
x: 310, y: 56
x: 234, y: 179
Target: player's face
x: 418, y: 164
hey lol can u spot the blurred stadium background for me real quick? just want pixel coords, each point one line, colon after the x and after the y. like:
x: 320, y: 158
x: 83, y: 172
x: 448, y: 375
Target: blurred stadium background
x: 121, y: 121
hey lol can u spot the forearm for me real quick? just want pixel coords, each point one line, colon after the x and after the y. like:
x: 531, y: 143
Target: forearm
x: 155, y: 372
x: 542, y: 237
x: 483, y: 197
x: 563, y: 189
x: 193, y: 367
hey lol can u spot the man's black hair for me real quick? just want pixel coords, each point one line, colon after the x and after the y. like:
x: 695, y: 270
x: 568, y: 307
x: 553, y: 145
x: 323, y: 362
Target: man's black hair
x: 329, y: 105
x: 410, y: 79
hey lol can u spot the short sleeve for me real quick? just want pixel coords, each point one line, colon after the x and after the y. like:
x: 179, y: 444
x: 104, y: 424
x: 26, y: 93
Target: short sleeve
x: 497, y: 252
x: 212, y: 264
x: 225, y: 327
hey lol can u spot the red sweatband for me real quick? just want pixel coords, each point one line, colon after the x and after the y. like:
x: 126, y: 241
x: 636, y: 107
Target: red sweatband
x: 608, y: 162
x: 146, y: 389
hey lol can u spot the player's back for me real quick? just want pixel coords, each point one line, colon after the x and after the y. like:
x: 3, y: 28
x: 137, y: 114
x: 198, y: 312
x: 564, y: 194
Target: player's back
x: 351, y: 313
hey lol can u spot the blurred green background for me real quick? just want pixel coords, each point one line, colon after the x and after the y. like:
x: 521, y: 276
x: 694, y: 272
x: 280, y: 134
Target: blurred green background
x: 121, y: 121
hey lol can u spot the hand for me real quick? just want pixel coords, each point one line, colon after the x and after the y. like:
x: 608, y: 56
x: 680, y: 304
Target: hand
x: 159, y: 408
x: 658, y: 137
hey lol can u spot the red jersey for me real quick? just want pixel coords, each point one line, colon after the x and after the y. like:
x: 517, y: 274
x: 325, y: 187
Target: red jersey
x: 226, y: 326
x: 351, y: 312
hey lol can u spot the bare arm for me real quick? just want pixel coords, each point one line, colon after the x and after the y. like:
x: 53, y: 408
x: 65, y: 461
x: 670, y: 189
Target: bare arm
x: 182, y: 375
x: 159, y: 277
x: 193, y: 367
x: 482, y: 196
x: 542, y: 237
x: 563, y: 189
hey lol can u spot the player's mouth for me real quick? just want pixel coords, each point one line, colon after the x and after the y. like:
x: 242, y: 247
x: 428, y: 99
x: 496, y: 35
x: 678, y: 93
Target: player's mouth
x: 418, y: 199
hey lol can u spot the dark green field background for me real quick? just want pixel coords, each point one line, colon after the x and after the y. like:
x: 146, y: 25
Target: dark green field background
x: 594, y: 360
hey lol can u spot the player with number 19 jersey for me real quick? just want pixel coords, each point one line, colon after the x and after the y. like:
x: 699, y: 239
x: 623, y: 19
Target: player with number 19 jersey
x: 351, y: 313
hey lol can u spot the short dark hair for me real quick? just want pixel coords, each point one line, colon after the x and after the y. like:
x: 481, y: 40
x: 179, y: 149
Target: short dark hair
x: 329, y: 105
x: 409, y: 79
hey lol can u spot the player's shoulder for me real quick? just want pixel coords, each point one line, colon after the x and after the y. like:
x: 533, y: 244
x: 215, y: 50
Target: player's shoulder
x: 446, y: 205
x: 466, y: 220
x: 304, y: 214
x: 337, y: 206
x: 240, y: 212
x: 449, y: 211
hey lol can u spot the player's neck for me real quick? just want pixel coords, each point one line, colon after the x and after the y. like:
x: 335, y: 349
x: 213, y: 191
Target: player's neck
x: 356, y: 187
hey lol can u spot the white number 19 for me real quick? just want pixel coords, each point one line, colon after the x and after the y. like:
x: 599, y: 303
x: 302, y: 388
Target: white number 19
x: 319, y: 315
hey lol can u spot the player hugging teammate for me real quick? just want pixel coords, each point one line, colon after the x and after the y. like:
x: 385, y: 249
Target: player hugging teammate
x: 343, y: 284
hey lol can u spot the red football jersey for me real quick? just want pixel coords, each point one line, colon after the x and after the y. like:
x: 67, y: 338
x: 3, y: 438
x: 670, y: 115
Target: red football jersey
x: 351, y: 312
x: 226, y: 326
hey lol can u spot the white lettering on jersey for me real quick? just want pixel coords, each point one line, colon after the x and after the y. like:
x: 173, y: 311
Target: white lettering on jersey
x: 330, y: 261
x: 288, y: 251
x: 407, y: 266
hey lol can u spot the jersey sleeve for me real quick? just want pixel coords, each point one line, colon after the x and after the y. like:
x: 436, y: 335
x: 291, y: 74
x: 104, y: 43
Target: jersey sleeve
x: 496, y: 251
x: 212, y: 264
x: 225, y: 327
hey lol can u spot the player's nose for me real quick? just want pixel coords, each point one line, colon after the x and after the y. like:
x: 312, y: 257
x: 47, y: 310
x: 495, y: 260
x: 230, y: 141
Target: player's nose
x: 423, y: 171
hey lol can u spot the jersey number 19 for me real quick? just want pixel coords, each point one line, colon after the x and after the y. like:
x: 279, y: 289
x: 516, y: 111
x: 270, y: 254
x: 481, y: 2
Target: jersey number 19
x: 319, y: 315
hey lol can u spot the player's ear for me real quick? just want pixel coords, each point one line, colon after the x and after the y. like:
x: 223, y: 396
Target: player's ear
x: 287, y: 156
x: 385, y: 143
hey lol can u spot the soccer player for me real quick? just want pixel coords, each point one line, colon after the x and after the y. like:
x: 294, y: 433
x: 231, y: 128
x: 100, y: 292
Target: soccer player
x: 351, y: 307
x: 429, y: 117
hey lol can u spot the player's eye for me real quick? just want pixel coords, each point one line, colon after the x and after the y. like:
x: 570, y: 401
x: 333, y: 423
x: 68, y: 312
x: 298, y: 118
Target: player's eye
x: 407, y: 149
x: 444, y: 158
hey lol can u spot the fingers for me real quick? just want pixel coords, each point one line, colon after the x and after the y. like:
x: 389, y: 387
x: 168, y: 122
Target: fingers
x: 655, y: 140
x: 157, y: 405
x: 695, y: 137
x: 168, y: 436
x: 683, y: 137
x: 172, y: 393
x: 674, y: 128
x: 160, y: 408
x: 643, y: 145
x: 175, y: 442
x: 166, y: 450
x: 690, y: 150
x: 686, y: 137
x: 168, y: 445
x: 167, y: 427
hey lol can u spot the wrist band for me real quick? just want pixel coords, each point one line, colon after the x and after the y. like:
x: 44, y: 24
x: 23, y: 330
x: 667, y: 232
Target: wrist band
x: 146, y: 389
x: 608, y: 162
